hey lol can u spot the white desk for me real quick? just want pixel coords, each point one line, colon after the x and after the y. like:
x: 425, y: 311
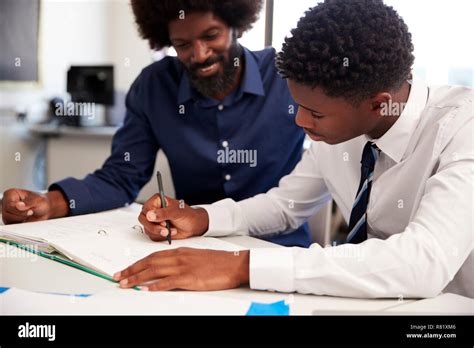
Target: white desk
x: 44, y: 275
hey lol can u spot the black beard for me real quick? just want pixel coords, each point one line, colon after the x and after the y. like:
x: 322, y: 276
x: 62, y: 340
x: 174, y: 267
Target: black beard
x: 220, y: 82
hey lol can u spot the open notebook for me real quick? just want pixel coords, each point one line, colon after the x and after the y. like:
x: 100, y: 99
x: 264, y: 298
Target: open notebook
x: 103, y: 243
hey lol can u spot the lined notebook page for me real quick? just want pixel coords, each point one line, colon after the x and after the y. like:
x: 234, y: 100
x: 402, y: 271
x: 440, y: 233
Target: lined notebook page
x: 106, y: 242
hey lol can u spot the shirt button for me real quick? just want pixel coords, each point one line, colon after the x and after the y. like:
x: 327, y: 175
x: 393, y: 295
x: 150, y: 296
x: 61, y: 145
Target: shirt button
x: 225, y: 143
x: 227, y: 177
x: 220, y: 107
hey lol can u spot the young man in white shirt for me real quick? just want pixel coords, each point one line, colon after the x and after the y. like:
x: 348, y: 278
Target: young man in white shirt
x: 408, y: 206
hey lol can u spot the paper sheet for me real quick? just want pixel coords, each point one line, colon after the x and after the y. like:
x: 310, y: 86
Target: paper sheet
x: 106, y: 242
x: 21, y: 302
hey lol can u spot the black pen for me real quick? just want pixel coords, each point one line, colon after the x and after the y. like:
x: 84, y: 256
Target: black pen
x: 163, y: 203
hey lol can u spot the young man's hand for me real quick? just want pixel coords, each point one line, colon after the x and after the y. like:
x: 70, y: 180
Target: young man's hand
x: 188, y: 269
x: 26, y: 206
x: 185, y: 221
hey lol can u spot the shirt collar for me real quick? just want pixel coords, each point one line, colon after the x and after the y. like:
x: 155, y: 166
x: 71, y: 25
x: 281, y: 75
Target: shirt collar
x: 251, y: 81
x: 395, y: 141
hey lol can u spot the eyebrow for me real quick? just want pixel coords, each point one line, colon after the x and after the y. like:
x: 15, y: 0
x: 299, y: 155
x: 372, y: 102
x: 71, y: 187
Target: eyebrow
x: 309, y: 109
x: 202, y: 34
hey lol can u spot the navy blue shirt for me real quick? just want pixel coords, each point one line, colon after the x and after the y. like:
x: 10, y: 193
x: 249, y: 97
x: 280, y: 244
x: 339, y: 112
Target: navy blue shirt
x: 165, y: 112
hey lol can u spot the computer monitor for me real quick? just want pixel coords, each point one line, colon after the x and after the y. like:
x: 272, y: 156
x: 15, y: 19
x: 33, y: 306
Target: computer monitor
x: 91, y: 84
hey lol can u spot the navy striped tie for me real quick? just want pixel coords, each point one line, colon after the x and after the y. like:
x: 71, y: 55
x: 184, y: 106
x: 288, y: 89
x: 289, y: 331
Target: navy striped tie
x: 358, y: 220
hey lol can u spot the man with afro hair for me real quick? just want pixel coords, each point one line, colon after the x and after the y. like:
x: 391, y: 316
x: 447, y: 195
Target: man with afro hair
x: 221, y: 113
x: 396, y: 156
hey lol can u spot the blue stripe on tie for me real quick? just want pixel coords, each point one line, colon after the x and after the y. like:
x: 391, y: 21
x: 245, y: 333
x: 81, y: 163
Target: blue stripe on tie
x: 362, y: 190
x: 356, y: 228
x: 374, y: 152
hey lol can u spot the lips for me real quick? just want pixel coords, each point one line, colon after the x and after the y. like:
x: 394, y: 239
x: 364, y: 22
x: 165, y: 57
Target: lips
x: 316, y: 137
x: 209, y: 70
x: 313, y: 136
x: 311, y: 133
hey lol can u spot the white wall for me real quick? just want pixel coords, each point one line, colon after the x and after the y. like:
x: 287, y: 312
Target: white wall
x: 78, y: 32
x: 254, y: 39
x: 441, y: 32
x: 127, y: 51
x: 19, y: 158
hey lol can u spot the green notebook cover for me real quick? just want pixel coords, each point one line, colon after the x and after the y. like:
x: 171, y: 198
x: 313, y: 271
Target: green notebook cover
x: 61, y: 259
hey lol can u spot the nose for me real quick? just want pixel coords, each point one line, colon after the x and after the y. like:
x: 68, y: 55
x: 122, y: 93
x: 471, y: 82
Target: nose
x: 303, y: 118
x: 201, y: 52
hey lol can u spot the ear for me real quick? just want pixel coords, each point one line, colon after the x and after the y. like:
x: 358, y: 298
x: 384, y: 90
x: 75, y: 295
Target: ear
x: 380, y: 102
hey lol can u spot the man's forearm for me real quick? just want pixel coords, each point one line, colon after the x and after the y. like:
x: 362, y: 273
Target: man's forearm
x: 58, y: 204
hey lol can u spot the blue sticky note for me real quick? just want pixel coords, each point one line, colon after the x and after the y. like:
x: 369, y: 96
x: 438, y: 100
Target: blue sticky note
x: 2, y: 290
x: 276, y: 308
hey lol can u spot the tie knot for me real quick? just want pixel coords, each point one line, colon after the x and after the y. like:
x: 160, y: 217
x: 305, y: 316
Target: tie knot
x: 369, y: 155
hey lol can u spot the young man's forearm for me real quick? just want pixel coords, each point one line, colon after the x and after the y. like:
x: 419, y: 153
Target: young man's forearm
x: 201, y: 221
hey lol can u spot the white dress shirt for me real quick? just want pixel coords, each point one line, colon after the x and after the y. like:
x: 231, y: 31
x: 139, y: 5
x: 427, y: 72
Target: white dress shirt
x: 420, y: 214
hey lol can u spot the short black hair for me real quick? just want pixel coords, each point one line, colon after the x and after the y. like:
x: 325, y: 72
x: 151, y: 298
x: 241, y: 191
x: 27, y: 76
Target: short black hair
x: 153, y: 16
x: 348, y: 48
